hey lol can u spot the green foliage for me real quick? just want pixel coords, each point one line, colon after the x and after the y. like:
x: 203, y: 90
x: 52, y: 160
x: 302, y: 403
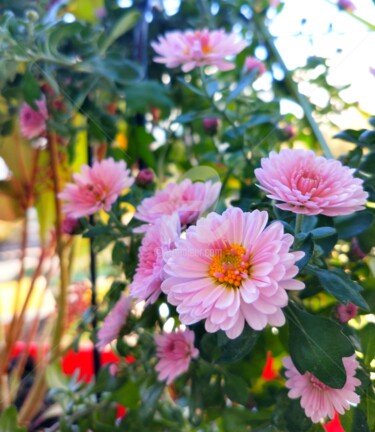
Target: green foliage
x: 8, y: 421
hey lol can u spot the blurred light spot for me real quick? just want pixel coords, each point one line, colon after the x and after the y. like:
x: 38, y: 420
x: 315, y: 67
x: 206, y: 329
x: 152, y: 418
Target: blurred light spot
x: 125, y: 3
x: 168, y: 326
x: 246, y: 11
x: 149, y: 16
x: 171, y: 7
x: 277, y: 72
x: 215, y: 7
x: 166, y: 79
x: 261, y: 52
x: 4, y: 170
x: 164, y: 310
x: 69, y: 18
x: 289, y: 107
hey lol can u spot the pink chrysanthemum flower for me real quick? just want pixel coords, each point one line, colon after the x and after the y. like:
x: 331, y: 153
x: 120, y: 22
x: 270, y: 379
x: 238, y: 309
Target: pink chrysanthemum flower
x: 174, y: 351
x: 95, y: 188
x: 33, y: 123
x: 159, y: 239
x: 308, y: 184
x: 317, y: 399
x: 229, y: 270
x: 114, y: 322
x: 252, y: 63
x: 188, y: 199
x: 191, y: 49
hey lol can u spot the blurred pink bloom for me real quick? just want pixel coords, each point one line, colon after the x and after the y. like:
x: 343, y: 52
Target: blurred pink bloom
x: 317, y: 399
x: 229, y: 270
x: 346, y: 312
x: 188, y: 199
x: 289, y: 132
x: 210, y: 125
x: 95, y: 188
x: 159, y: 239
x: 33, y: 123
x: 372, y: 70
x: 113, y: 322
x: 145, y: 177
x: 69, y: 225
x: 252, y: 63
x: 174, y: 351
x: 191, y: 49
x: 309, y: 184
x: 346, y: 5
x: 101, y: 12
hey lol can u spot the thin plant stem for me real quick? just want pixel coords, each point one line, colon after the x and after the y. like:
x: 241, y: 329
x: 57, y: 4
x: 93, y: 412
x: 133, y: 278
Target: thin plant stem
x: 299, y: 222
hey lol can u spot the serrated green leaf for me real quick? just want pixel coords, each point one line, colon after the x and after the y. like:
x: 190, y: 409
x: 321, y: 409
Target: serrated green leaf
x: 317, y: 345
x: 245, y: 82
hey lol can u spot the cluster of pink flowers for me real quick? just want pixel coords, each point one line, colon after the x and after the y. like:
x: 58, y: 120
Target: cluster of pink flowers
x: 317, y: 399
x: 311, y: 185
x: 231, y: 269
x: 191, y: 49
x: 174, y: 352
x: 95, y: 188
x: 34, y: 123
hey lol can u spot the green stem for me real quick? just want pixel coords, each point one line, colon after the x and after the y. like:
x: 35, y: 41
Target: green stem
x: 299, y: 222
x: 292, y: 86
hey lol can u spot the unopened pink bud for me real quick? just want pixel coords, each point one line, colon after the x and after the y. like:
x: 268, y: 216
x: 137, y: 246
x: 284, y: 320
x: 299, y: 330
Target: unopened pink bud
x: 69, y: 225
x: 252, y: 63
x: 210, y: 125
x: 346, y: 312
x: 145, y: 177
x: 346, y: 5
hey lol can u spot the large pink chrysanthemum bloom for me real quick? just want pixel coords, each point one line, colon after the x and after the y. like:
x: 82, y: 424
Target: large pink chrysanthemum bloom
x: 113, y: 322
x: 159, y: 239
x: 317, y: 399
x: 174, y: 351
x: 310, y: 184
x: 191, y: 49
x: 229, y: 270
x: 33, y: 123
x: 188, y: 199
x: 95, y: 188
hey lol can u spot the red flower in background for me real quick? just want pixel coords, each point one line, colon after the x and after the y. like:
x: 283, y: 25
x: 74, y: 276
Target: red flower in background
x: 334, y: 425
x: 269, y: 372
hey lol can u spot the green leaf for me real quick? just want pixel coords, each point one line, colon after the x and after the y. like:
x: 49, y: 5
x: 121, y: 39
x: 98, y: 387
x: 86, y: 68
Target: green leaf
x: 322, y: 232
x: 307, y: 246
x: 350, y: 135
x: 368, y: 164
x: 233, y: 350
x: 140, y: 96
x: 236, y: 388
x: 245, y: 82
x: 317, y: 345
x: 123, y: 25
x: 191, y: 87
x: 354, y: 224
x: 367, y: 137
x: 366, y: 336
x: 337, y: 283
x: 150, y: 397
x: 55, y: 377
x: 31, y: 90
x: 128, y: 395
x: 8, y: 421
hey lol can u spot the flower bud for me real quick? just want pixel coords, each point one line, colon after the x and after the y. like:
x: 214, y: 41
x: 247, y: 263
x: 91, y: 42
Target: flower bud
x: 210, y: 125
x: 346, y: 312
x: 252, y: 63
x: 145, y: 177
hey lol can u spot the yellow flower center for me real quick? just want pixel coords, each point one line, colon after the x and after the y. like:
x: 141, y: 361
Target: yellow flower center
x: 230, y: 266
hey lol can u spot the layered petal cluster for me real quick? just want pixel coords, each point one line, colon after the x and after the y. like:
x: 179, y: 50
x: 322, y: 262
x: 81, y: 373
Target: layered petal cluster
x: 149, y: 275
x: 308, y: 184
x: 317, y: 399
x: 33, y: 123
x: 174, y: 351
x: 191, y: 49
x: 231, y: 269
x: 95, y: 188
x: 188, y: 199
x: 114, y: 321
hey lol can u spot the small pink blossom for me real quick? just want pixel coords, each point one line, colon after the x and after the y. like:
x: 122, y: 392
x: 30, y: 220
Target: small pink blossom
x: 191, y: 49
x: 114, y: 321
x: 210, y: 125
x: 372, y: 70
x: 69, y: 225
x: 289, y: 132
x: 174, y: 351
x: 231, y: 270
x: 145, y: 177
x: 252, y: 63
x: 311, y: 185
x: 317, y: 399
x: 34, y: 123
x: 188, y: 199
x: 159, y: 239
x: 95, y: 188
x: 346, y: 312
x: 347, y: 5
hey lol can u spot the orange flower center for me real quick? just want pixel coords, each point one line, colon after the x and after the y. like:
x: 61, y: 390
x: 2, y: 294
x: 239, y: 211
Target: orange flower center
x: 230, y: 266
